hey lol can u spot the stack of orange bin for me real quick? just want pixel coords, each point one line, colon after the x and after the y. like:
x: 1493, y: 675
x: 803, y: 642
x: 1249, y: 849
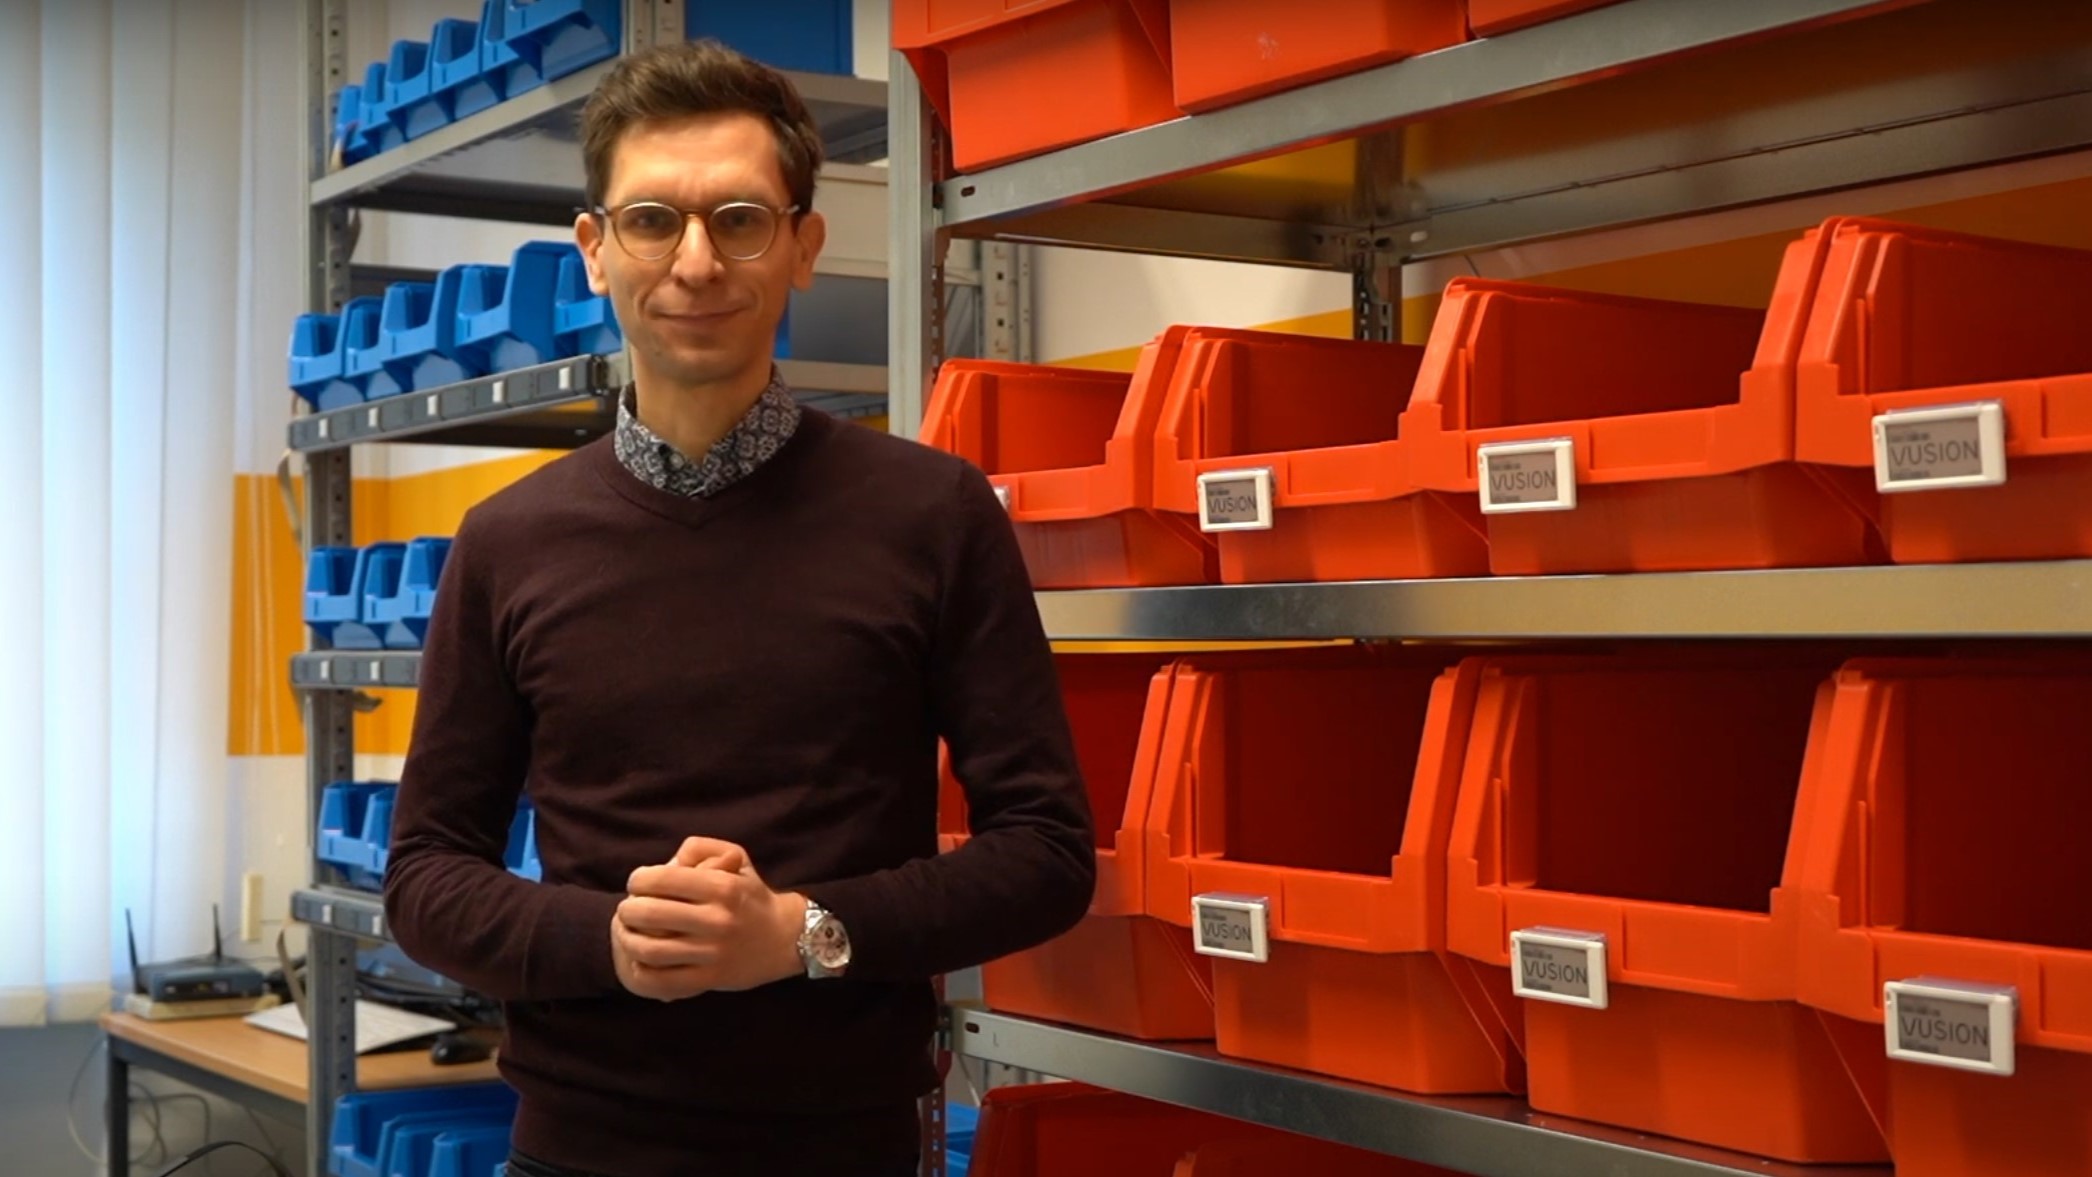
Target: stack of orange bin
x: 1227, y: 51
x: 1489, y: 18
x: 1013, y: 78
x: 1912, y: 319
x: 1947, y: 847
x: 1071, y: 452
x: 1118, y: 970
x: 1319, y: 421
x: 1320, y: 783
x: 1661, y: 434
x: 1650, y: 801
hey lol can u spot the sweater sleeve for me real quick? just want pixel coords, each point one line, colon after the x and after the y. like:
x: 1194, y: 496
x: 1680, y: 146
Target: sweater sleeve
x: 1028, y: 872
x: 451, y: 903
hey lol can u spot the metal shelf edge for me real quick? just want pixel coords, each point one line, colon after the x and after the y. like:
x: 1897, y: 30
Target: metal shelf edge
x: 347, y: 670
x: 2049, y: 599
x: 1495, y: 1136
x: 356, y: 913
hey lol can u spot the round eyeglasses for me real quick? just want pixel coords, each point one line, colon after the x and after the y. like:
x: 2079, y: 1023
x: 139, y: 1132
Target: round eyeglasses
x: 741, y: 230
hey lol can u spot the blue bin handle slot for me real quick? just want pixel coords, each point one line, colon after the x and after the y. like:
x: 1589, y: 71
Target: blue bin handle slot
x: 377, y: 577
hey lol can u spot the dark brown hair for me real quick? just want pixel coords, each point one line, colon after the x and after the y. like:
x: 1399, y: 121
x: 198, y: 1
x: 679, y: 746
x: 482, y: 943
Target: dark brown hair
x: 694, y: 78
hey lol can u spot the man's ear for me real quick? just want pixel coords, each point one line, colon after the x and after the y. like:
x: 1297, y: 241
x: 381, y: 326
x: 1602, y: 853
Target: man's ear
x: 811, y: 237
x: 588, y: 234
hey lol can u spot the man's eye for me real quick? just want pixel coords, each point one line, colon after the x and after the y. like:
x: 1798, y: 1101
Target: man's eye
x: 650, y: 222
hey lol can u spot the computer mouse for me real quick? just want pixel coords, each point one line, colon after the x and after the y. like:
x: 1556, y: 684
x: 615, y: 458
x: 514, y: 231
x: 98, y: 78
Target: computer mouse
x: 452, y: 1049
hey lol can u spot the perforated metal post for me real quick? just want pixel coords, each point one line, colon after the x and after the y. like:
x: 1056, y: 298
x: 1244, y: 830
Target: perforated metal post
x: 915, y: 253
x: 329, y: 736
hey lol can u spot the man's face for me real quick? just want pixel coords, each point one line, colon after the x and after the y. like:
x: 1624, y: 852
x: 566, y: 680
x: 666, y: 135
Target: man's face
x: 697, y: 317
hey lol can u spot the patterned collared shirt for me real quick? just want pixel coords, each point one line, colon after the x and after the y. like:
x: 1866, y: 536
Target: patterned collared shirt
x: 754, y: 440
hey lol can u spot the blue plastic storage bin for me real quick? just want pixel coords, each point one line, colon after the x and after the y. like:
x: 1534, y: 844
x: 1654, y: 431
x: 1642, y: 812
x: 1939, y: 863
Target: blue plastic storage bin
x: 367, y: 347
x: 380, y: 132
x: 315, y: 358
x: 376, y: 839
x: 583, y: 321
x: 420, y: 330
x: 515, y: 330
x: 498, y: 63
x: 345, y: 828
x: 961, y: 1127
x: 415, y: 106
x: 403, y: 618
x: 407, y: 332
x: 349, y: 138
x: 471, y: 1152
x: 561, y: 36
x: 334, y: 383
x: 455, y: 71
x: 410, y: 1144
x: 360, y: 1119
x: 521, y: 857
x: 337, y: 602
x: 813, y: 36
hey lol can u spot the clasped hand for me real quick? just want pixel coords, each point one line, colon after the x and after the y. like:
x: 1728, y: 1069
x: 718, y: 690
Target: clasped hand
x: 704, y: 921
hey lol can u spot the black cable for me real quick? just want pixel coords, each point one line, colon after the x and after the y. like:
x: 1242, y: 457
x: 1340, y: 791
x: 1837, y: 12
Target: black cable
x: 208, y: 1149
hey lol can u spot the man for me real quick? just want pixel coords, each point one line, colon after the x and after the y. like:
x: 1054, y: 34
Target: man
x: 720, y: 648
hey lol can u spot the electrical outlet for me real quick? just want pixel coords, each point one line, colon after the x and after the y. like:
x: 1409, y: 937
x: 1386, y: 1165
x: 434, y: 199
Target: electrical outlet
x: 251, y: 907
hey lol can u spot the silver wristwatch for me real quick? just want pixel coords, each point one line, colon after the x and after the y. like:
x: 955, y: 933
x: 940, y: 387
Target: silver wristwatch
x: 824, y: 944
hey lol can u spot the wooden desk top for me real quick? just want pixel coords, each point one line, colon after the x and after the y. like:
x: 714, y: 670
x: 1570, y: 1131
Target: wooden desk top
x: 274, y: 1063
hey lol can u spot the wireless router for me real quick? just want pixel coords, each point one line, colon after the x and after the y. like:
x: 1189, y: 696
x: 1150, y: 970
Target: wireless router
x: 196, y: 978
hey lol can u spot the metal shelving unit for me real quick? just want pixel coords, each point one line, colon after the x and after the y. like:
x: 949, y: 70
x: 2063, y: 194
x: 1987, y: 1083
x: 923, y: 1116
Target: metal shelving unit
x: 517, y: 162
x: 1639, y: 111
x: 1487, y: 1137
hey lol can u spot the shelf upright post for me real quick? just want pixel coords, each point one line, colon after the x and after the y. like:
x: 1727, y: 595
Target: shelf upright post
x: 915, y: 250
x: 652, y: 22
x: 329, y: 734
x: 1006, y: 302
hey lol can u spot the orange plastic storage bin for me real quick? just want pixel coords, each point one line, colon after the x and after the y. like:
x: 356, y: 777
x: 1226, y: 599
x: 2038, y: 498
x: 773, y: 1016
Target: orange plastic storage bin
x: 1225, y: 51
x: 1651, y: 802
x: 1072, y: 451
x: 1949, y: 843
x: 1075, y: 1130
x: 1278, y: 1154
x: 1912, y: 318
x: 1681, y: 458
x: 1017, y: 77
x: 1491, y: 17
x: 1118, y: 970
x: 1323, y: 416
x: 1322, y: 782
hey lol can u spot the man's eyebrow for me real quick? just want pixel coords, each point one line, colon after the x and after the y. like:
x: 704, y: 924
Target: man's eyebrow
x: 735, y: 196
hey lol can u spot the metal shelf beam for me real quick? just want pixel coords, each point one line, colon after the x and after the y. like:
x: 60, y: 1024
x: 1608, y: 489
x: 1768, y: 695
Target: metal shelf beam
x: 353, y: 913
x: 348, y: 670
x: 2051, y: 599
x: 1486, y: 1137
x: 559, y: 405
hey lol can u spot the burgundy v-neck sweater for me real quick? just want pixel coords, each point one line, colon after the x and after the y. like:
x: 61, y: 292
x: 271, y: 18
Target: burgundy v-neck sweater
x: 774, y: 666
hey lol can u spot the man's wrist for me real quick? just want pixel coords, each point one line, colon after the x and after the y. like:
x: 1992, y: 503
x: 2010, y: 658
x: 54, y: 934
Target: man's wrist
x: 791, y: 914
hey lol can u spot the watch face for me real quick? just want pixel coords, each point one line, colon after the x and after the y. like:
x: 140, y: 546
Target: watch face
x: 830, y: 943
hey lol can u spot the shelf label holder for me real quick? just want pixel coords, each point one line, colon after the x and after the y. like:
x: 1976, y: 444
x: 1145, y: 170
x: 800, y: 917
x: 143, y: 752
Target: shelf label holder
x: 1940, y: 448
x: 1235, y: 500
x: 1232, y: 927
x: 1955, y: 1024
x: 1527, y: 475
x: 1560, y: 965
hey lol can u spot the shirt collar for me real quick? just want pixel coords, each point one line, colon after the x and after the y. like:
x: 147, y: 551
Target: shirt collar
x: 755, y: 439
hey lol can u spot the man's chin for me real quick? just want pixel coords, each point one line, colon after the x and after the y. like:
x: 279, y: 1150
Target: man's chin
x: 690, y: 368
